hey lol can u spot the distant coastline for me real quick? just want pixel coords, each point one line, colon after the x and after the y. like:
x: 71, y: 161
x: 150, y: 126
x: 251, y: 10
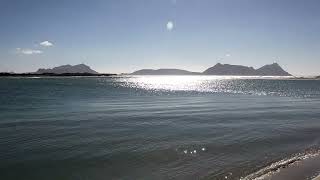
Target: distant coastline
x: 52, y: 74
x: 222, y: 70
x: 64, y: 70
x: 269, y: 70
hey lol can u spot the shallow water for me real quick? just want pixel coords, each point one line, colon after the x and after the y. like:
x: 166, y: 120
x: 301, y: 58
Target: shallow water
x: 145, y: 127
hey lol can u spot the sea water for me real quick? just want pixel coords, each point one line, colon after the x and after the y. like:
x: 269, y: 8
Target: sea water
x: 154, y: 127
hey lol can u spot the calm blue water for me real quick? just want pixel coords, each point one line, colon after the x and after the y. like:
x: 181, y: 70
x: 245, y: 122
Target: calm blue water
x: 145, y: 127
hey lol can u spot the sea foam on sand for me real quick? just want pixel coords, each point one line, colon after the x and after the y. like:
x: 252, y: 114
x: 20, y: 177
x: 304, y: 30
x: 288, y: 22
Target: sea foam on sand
x: 299, y: 167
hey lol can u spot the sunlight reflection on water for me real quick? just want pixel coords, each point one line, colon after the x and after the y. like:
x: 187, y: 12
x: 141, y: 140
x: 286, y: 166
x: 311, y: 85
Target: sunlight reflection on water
x: 213, y: 84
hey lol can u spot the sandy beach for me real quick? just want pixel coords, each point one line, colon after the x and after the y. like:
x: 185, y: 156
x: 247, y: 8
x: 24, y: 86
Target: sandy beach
x: 317, y: 178
x: 304, y: 167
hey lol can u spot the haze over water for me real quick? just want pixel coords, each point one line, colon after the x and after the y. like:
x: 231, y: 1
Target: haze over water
x: 154, y: 127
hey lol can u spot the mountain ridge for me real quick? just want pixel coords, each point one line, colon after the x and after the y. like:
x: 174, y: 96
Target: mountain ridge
x: 274, y: 68
x: 64, y: 69
x: 222, y: 69
x: 228, y: 69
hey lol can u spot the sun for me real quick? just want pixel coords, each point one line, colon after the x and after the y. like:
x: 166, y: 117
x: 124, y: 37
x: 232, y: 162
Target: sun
x: 170, y: 25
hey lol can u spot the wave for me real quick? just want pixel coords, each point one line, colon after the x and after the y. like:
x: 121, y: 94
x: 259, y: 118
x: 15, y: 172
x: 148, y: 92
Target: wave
x: 275, y: 168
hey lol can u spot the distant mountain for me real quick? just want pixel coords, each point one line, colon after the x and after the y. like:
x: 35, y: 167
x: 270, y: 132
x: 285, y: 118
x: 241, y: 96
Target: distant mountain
x: 272, y: 70
x: 80, y: 68
x: 163, y: 72
x: 227, y: 69
x: 238, y: 70
x: 222, y: 70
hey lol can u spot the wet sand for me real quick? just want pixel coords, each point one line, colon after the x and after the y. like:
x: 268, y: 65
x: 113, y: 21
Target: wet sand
x: 305, y: 166
x: 317, y: 178
x: 308, y: 168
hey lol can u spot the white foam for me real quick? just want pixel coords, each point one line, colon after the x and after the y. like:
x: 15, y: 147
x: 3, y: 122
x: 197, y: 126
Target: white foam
x: 275, y: 167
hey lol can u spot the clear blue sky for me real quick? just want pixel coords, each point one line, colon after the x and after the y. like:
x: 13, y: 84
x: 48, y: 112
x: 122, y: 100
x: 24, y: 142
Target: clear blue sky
x: 126, y: 35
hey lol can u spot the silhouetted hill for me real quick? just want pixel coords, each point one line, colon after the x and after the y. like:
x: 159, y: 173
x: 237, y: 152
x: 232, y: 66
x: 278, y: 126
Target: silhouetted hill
x: 68, y: 69
x: 273, y: 70
x: 4, y: 74
x: 163, y: 72
x: 238, y: 70
x: 222, y: 70
x: 227, y: 69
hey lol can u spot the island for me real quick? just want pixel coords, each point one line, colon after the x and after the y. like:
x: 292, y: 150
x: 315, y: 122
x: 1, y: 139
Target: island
x: 218, y: 70
x: 64, y: 70
x: 68, y: 69
x: 238, y: 70
x: 233, y: 70
x: 222, y: 70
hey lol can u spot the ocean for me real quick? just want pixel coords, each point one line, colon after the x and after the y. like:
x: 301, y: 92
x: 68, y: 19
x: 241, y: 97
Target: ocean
x: 156, y: 127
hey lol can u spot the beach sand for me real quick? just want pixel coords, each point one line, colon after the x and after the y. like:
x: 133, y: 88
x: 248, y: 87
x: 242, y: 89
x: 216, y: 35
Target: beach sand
x: 308, y: 168
x: 317, y: 178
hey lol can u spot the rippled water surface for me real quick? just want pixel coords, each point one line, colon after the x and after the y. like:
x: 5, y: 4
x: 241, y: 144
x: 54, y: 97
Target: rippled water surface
x: 154, y: 127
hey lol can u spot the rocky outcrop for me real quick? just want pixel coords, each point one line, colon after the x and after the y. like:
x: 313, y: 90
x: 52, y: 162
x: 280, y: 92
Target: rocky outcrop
x: 238, y: 70
x: 65, y: 69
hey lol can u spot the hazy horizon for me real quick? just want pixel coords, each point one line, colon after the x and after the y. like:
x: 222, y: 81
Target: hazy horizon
x: 124, y: 36
x: 136, y: 69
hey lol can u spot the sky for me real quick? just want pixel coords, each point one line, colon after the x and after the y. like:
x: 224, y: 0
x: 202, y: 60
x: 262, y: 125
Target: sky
x: 120, y: 36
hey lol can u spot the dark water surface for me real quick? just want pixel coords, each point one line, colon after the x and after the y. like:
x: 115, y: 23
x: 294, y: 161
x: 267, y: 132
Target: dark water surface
x: 153, y: 127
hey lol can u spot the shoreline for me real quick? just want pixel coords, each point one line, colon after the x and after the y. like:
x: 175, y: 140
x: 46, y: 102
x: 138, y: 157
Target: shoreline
x: 110, y: 74
x: 299, y: 167
x: 317, y: 178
